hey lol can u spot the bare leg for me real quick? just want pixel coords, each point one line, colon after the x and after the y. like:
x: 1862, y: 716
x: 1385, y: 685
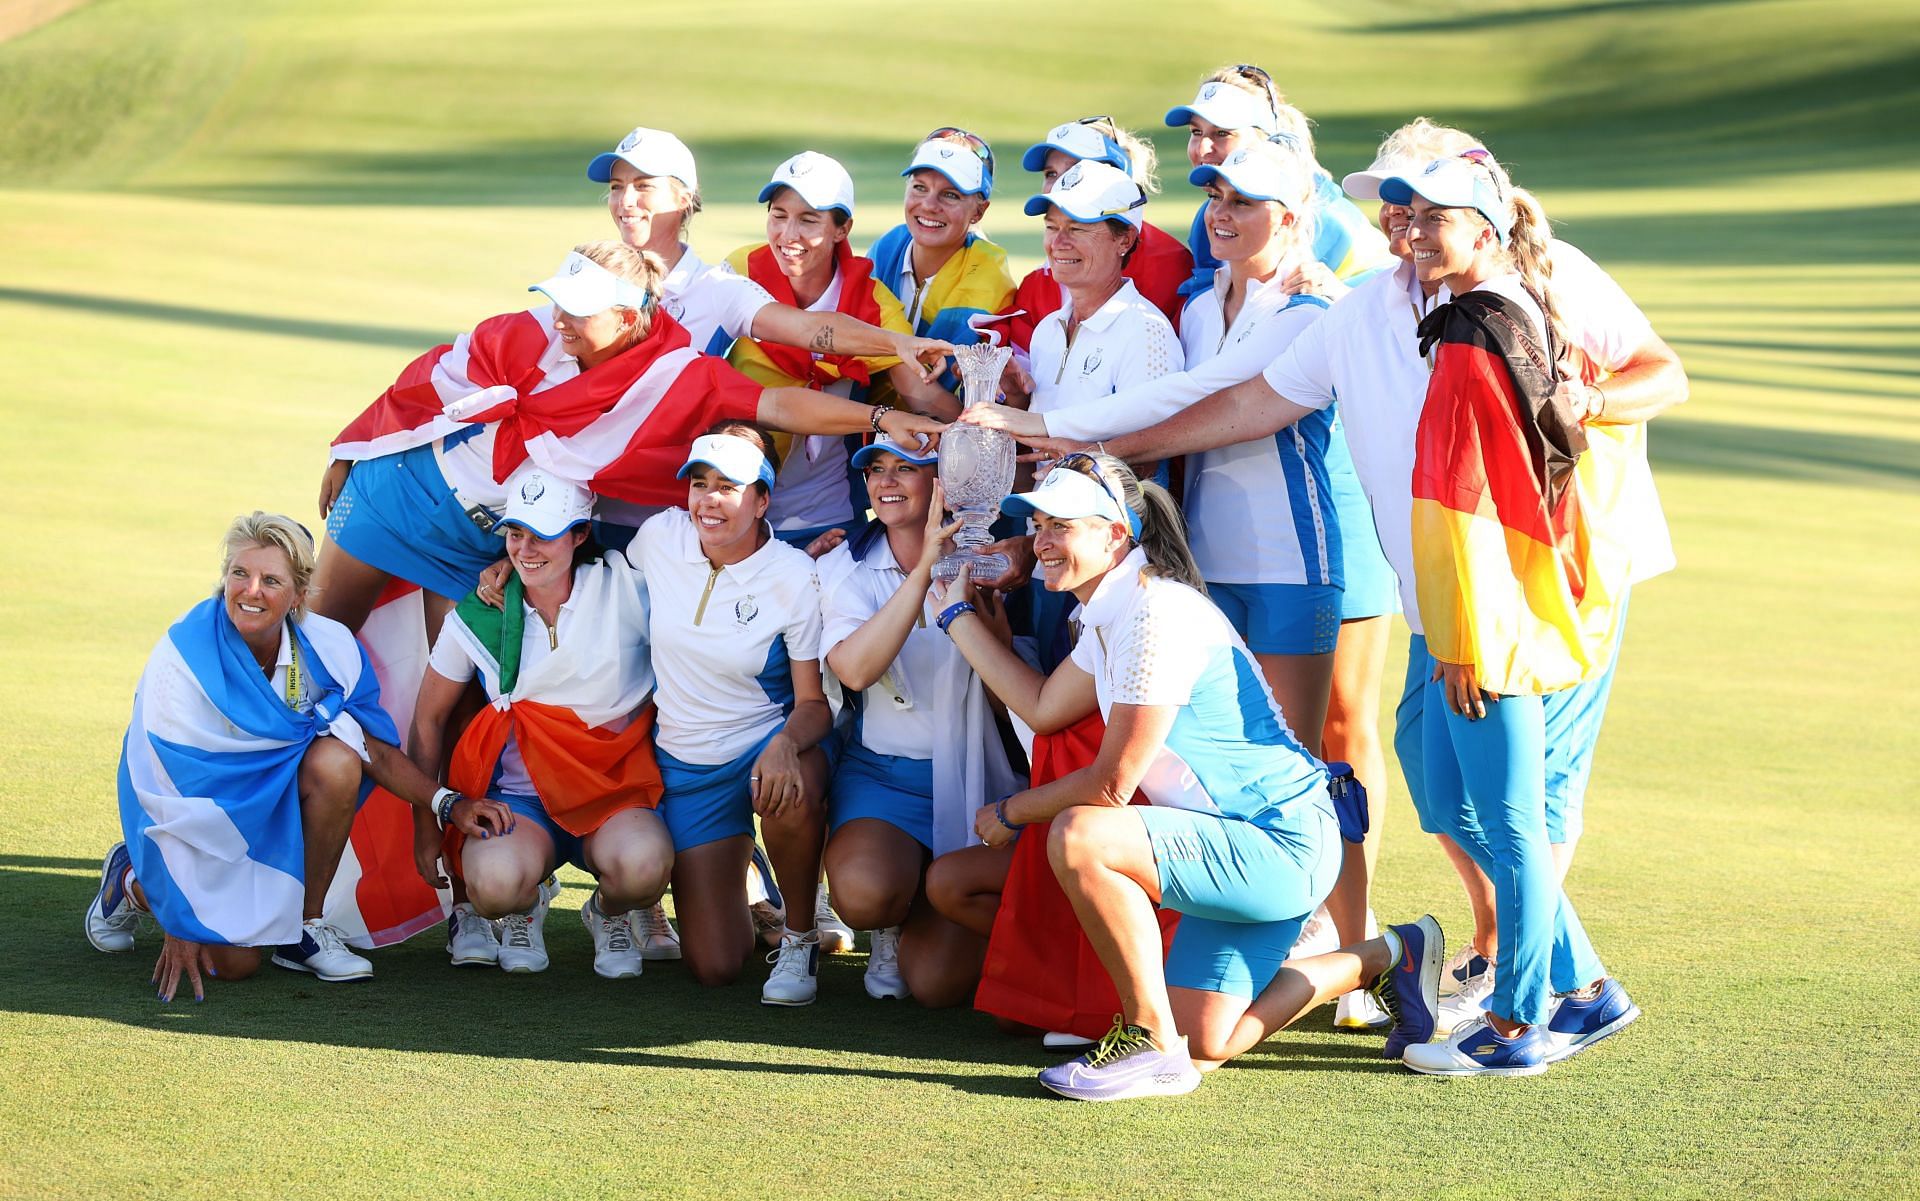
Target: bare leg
x: 710, y: 900
x: 794, y: 841
x: 964, y: 886
x: 632, y: 854
x: 939, y: 959
x: 1352, y: 735
x: 1301, y: 684
x: 504, y: 872
x: 329, y: 792
x: 876, y: 870
x: 1563, y: 858
x: 1105, y: 863
x: 1216, y: 1033
x: 344, y: 588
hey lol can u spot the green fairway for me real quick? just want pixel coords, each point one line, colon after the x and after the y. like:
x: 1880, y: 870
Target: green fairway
x: 224, y: 227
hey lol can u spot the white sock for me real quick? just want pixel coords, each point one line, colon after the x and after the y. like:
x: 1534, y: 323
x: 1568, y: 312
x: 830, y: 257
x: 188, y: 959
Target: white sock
x: 1395, y: 948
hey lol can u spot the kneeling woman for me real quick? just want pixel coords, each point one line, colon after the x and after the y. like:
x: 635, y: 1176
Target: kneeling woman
x: 1241, y: 837
x: 735, y: 629
x: 241, y: 772
x: 564, y: 741
x: 923, y: 744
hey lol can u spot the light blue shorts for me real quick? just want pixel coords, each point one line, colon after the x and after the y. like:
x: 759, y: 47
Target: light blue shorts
x: 567, y: 847
x: 706, y: 802
x: 397, y: 513
x: 889, y: 788
x: 1243, y: 891
x: 1281, y: 619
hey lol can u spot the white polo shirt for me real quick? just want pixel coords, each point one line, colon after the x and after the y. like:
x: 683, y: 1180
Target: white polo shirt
x: 603, y: 621
x: 1126, y: 340
x: 1366, y: 352
x: 1146, y: 640
x: 724, y: 638
x: 712, y: 302
x: 896, y: 712
x: 1261, y: 511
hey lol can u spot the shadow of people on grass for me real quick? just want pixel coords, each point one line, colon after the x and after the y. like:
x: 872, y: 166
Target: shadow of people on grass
x: 417, y: 1002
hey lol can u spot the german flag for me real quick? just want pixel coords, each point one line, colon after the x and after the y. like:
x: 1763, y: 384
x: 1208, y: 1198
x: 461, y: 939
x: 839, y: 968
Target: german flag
x: 1516, y: 570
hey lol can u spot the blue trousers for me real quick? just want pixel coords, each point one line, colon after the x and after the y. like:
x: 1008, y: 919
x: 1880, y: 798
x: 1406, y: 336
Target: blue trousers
x: 1573, y: 720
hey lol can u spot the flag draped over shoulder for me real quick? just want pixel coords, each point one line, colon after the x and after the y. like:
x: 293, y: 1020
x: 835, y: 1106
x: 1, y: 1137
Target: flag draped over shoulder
x: 1516, y: 570
x: 564, y: 714
x: 1040, y: 970
x: 378, y: 897
x: 616, y: 427
x: 210, y: 771
x: 858, y: 299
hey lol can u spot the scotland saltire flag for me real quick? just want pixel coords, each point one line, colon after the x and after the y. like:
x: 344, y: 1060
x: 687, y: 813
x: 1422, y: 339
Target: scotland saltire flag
x: 209, y: 773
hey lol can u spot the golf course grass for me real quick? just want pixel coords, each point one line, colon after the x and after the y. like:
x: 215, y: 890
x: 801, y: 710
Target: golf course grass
x: 224, y: 227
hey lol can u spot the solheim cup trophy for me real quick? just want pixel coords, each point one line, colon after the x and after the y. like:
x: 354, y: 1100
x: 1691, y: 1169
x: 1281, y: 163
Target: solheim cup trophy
x: 976, y: 465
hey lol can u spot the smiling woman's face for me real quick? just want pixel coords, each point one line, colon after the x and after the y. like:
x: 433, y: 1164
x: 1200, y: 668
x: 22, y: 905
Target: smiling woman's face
x: 724, y: 512
x: 899, y: 491
x: 939, y: 214
x: 259, y: 591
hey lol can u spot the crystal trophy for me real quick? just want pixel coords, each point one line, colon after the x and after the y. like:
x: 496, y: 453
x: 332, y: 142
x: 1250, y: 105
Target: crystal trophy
x: 976, y: 465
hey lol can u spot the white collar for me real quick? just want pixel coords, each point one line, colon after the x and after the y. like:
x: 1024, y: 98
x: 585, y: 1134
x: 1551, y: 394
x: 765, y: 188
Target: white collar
x: 1115, y: 591
x: 746, y: 569
x: 1101, y: 318
x: 683, y: 271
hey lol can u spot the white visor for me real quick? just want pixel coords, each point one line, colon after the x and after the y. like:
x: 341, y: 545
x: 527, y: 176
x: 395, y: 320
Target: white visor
x: 583, y: 287
x: 1365, y: 185
x: 736, y: 458
x: 1067, y: 494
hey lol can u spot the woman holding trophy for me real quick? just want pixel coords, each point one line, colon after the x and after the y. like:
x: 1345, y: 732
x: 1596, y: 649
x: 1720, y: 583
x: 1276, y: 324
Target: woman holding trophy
x: 1241, y: 837
x: 922, y: 746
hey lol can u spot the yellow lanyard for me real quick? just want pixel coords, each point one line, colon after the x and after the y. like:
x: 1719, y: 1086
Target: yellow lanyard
x: 293, y: 670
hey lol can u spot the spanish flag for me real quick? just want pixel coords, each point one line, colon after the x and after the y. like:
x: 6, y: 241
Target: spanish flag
x: 1516, y: 568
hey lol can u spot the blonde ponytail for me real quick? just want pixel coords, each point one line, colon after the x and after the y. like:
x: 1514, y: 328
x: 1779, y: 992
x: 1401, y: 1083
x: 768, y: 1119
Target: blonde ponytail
x: 1163, y: 532
x: 1141, y: 159
x: 1530, y: 245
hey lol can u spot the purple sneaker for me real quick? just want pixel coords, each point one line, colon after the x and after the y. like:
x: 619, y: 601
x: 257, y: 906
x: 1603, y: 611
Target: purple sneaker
x: 1124, y: 1064
x: 1410, y: 989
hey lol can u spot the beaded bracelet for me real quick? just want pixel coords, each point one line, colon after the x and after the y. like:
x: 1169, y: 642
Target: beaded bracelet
x: 951, y: 613
x: 874, y: 417
x: 445, y: 800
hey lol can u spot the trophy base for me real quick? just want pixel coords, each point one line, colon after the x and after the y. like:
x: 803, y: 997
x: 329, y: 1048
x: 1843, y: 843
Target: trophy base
x: 982, y: 565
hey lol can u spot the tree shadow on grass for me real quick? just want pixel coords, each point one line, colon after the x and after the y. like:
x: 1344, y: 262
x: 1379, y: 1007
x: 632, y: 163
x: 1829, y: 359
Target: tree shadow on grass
x: 417, y: 1003
x: 241, y: 322
x: 1763, y: 452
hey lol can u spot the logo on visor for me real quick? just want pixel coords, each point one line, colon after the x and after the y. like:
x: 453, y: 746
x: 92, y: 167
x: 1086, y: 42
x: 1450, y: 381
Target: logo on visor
x: 1433, y: 166
x: 532, y: 491
x: 1072, y: 176
x: 744, y: 610
x: 1060, y: 133
x: 799, y: 166
x: 1208, y: 92
x: 946, y: 152
x: 629, y: 142
x: 574, y: 265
